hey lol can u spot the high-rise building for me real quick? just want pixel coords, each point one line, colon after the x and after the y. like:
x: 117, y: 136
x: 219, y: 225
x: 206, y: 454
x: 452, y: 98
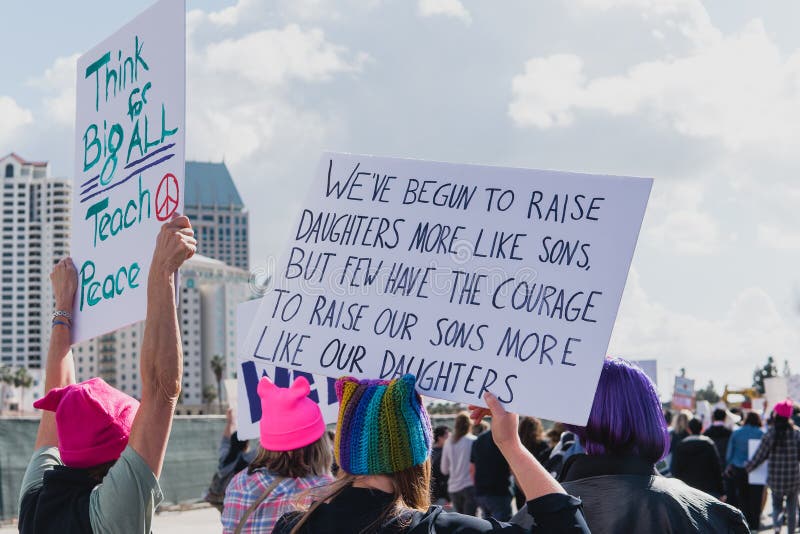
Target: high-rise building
x: 218, y: 215
x: 35, y: 235
x: 209, y: 294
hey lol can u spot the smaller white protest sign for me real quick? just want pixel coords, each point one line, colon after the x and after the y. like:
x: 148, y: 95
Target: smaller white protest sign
x: 793, y: 387
x: 231, y: 394
x: 129, y: 163
x: 683, y: 394
x: 757, y: 476
x: 248, y: 410
x: 776, y: 389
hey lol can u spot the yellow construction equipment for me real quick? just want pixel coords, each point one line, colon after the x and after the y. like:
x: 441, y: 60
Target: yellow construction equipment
x: 748, y: 393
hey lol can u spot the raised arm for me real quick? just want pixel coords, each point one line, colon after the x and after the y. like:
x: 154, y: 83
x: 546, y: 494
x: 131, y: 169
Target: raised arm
x: 552, y: 509
x: 533, y: 479
x: 161, y: 358
x: 445, y: 465
x: 59, y: 368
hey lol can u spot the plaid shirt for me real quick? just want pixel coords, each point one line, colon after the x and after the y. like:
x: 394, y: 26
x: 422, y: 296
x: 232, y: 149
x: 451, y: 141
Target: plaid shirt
x: 783, y: 471
x: 245, y: 489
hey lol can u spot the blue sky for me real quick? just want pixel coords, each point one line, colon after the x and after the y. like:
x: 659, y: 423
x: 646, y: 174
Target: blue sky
x: 702, y: 96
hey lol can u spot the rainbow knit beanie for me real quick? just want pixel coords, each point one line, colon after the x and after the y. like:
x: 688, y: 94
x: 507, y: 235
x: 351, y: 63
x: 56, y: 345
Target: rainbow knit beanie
x: 383, y: 427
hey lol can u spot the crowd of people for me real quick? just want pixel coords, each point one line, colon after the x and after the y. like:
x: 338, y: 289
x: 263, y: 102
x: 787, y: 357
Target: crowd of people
x: 99, y: 453
x: 718, y: 459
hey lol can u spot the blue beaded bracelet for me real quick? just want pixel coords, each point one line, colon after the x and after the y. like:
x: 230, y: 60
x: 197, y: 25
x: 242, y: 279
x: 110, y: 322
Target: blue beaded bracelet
x: 61, y: 322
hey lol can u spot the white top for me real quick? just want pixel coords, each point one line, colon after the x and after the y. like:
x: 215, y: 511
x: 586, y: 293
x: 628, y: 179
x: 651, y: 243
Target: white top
x: 455, y: 462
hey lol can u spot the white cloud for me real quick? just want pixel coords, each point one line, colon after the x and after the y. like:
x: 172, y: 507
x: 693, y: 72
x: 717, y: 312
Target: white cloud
x: 779, y: 238
x: 545, y: 95
x: 736, y: 89
x: 688, y: 18
x: 679, y: 222
x: 447, y: 8
x: 687, y: 232
x: 14, y: 117
x: 275, y: 57
x: 239, y: 100
x: 725, y: 349
x: 58, y: 81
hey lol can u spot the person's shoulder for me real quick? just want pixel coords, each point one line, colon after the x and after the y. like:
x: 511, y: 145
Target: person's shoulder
x: 314, y: 481
x: 241, y: 481
x: 680, y: 494
x: 437, y: 520
x: 286, y: 522
x: 707, y: 442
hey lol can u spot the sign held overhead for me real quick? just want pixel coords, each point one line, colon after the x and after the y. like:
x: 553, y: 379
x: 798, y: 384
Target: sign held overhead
x: 472, y: 278
x: 129, y: 163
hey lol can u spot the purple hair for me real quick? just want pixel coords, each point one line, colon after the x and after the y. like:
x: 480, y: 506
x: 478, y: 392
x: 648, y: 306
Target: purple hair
x: 626, y: 416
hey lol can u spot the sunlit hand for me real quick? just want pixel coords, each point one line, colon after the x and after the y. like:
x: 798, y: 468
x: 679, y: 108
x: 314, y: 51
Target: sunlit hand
x: 64, y: 279
x: 174, y: 245
x: 504, y: 424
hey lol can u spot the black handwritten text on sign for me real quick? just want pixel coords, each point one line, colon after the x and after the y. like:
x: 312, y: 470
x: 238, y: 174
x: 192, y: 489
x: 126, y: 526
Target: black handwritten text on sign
x: 472, y: 278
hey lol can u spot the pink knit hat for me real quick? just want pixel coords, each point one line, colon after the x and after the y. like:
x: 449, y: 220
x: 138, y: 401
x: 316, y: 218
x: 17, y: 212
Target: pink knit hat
x: 784, y: 408
x: 93, y: 421
x: 289, y: 420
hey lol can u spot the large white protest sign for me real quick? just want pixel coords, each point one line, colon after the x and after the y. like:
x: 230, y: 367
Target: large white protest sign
x: 471, y: 278
x: 250, y: 371
x: 129, y: 163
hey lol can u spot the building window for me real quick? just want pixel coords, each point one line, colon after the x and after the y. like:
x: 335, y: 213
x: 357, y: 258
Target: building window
x: 9, y: 171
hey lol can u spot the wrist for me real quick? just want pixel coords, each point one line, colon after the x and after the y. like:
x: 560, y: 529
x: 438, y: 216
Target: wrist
x: 63, y: 306
x: 160, y: 276
x: 513, y: 445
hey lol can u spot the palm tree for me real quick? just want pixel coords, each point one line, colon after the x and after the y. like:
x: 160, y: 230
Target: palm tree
x: 209, y: 395
x: 6, y: 378
x: 218, y: 368
x: 22, y: 379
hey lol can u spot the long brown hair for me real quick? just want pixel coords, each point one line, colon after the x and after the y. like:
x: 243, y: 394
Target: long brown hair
x: 313, y: 459
x: 530, y: 432
x: 461, y: 426
x: 411, y: 492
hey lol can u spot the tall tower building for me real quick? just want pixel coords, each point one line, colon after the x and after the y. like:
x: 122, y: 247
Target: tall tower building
x: 35, y: 235
x: 219, y: 217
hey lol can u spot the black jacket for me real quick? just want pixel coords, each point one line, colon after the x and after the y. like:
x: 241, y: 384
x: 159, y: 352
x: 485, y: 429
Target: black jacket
x: 696, y: 462
x: 60, y: 505
x: 356, y: 509
x: 720, y: 436
x: 624, y: 494
x: 438, y: 479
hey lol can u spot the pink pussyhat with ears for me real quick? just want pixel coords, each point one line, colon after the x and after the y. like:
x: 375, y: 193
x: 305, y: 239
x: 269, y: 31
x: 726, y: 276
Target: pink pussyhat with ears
x: 784, y: 408
x: 93, y: 421
x: 289, y: 419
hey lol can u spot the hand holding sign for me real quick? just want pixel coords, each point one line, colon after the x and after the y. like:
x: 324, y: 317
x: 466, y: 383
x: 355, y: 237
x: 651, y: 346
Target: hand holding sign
x: 64, y: 279
x: 174, y: 245
x: 504, y: 423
